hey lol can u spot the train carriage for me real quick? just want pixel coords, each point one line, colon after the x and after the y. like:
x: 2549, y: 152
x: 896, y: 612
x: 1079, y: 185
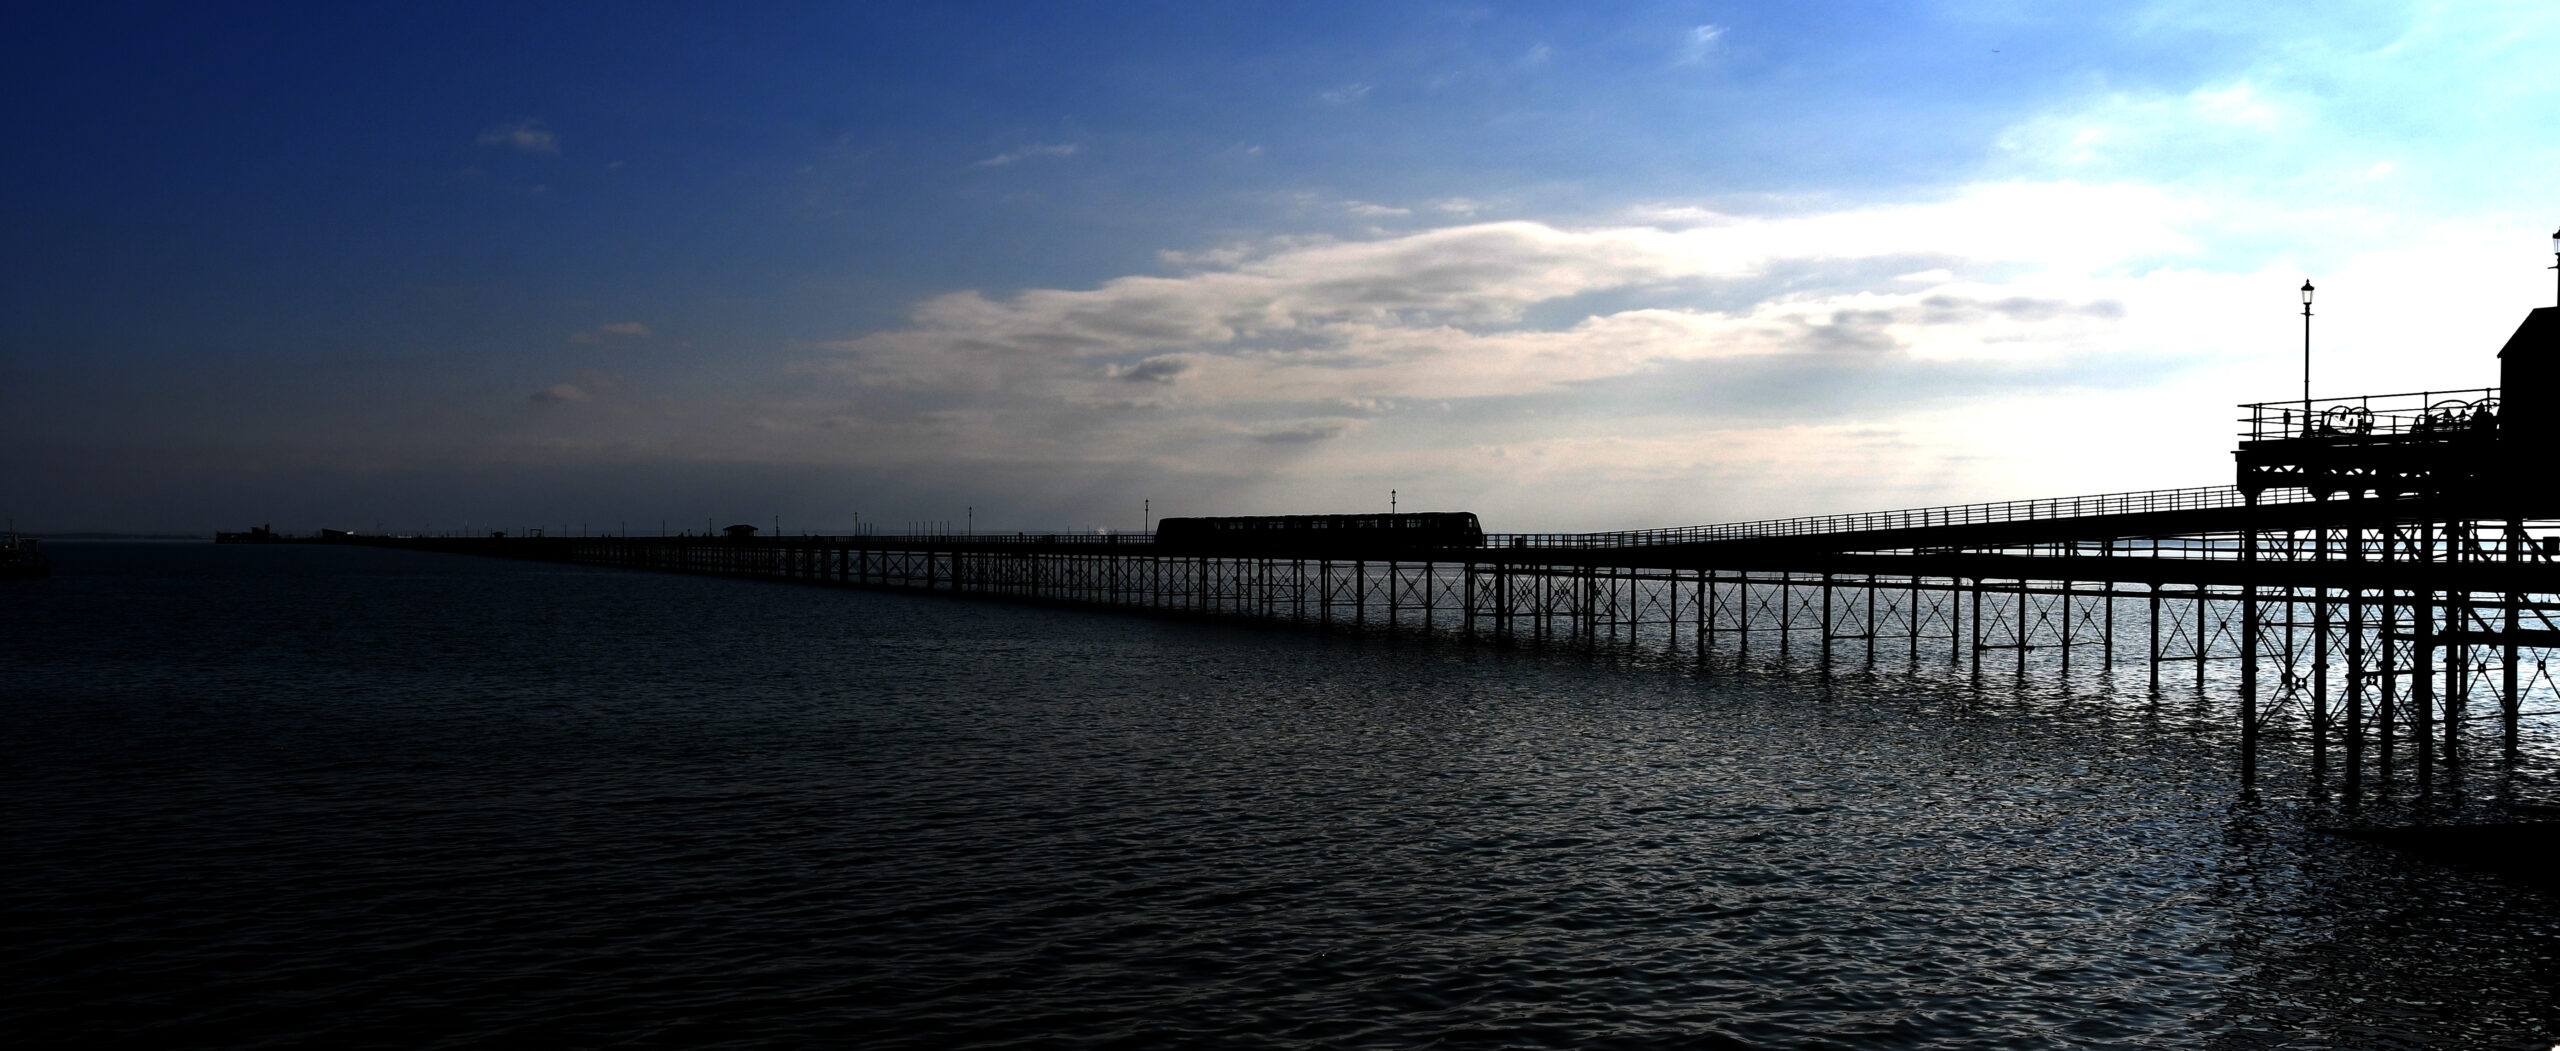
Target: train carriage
x: 1411, y: 530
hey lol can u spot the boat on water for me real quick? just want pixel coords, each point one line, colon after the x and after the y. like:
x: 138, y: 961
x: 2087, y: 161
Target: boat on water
x: 19, y: 558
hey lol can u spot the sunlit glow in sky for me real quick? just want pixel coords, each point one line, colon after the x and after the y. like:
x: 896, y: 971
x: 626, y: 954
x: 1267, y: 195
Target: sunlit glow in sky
x: 1637, y: 265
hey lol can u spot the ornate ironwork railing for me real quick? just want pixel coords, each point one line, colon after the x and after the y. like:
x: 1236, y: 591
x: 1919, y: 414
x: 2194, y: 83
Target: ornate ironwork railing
x: 2413, y: 413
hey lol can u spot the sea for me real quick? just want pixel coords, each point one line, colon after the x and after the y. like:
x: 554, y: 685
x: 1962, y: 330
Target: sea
x: 300, y: 796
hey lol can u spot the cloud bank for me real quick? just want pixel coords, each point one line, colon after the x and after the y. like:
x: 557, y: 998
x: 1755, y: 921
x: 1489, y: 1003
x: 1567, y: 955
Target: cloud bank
x: 1508, y: 309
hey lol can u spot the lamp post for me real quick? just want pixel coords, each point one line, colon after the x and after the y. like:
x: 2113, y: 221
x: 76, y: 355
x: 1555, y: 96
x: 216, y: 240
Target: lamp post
x: 2306, y: 357
x: 2555, y: 259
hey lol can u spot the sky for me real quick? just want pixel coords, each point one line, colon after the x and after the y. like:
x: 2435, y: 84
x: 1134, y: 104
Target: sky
x: 437, y: 267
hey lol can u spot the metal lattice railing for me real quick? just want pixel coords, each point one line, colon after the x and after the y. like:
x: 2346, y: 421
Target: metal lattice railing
x: 2045, y: 508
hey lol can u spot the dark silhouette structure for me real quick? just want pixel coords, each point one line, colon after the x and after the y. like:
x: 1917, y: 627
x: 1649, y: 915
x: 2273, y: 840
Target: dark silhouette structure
x: 21, y: 557
x: 1406, y: 531
x: 2529, y: 374
x: 258, y: 534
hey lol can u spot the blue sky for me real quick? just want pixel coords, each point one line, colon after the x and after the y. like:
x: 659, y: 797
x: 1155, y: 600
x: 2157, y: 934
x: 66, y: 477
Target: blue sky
x: 1585, y: 267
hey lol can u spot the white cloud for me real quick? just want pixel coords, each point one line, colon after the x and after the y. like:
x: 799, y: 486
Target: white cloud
x: 2227, y: 127
x: 619, y: 330
x: 2437, y: 90
x: 1303, y: 432
x: 527, y: 135
x: 1037, y: 150
x: 2239, y: 105
x: 559, y: 394
x: 1373, y: 211
x: 1698, y: 43
x: 1345, y: 94
x: 1159, y: 369
x: 1658, y: 214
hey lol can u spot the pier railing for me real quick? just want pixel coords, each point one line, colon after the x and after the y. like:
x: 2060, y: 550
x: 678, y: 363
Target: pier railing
x: 2142, y: 502
x: 2366, y: 415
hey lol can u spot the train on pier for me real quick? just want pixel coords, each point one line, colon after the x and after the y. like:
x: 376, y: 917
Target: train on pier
x: 1412, y: 530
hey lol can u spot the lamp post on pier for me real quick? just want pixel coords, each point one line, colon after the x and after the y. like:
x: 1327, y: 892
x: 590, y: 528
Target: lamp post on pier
x: 2306, y: 357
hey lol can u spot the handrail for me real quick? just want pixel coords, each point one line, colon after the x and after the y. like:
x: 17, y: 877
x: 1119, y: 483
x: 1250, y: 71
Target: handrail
x: 2141, y: 502
x: 2422, y: 395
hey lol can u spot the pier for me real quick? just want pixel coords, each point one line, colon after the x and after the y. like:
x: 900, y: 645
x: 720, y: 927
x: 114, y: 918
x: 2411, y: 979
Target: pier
x: 2379, y: 580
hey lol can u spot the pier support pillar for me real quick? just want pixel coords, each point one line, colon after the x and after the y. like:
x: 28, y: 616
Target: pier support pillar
x: 2248, y: 653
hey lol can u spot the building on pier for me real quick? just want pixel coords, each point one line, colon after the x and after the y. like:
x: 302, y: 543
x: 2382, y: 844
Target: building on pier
x: 2489, y: 444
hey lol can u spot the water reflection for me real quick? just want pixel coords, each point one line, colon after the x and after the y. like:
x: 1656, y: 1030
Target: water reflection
x: 321, y: 796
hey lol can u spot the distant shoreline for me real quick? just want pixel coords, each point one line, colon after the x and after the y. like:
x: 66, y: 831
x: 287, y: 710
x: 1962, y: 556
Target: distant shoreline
x: 57, y: 537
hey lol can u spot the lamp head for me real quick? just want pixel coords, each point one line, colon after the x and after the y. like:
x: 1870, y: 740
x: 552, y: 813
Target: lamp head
x: 2306, y: 290
x: 2555, y: 242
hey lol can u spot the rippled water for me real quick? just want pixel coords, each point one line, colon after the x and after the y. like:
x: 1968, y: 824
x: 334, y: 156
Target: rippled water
x: 326, y: 797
